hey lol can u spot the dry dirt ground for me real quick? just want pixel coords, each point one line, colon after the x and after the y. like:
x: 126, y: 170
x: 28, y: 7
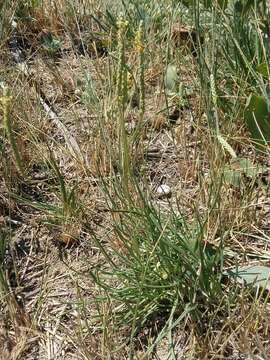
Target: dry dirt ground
x: 51, y: 299
x: 49, y: 281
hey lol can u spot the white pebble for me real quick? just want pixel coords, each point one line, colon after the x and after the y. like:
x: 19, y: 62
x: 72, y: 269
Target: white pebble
x: 163, y: 191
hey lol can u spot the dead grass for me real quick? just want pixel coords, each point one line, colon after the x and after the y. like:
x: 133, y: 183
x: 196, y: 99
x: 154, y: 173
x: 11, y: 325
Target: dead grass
x: 53, y: 216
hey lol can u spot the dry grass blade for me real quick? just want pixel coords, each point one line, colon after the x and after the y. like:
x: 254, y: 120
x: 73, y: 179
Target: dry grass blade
x: 24, y: 69
x: 130, y: 188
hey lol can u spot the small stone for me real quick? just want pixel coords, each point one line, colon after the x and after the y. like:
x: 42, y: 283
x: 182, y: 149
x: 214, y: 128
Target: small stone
x: 130, y: 127
x: 163, y: 191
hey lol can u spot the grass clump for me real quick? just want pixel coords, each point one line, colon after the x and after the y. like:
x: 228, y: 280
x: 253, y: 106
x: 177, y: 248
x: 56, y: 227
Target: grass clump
x: 162, y: 265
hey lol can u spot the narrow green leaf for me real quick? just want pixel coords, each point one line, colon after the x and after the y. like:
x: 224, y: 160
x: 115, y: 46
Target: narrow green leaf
x: 222, y: 4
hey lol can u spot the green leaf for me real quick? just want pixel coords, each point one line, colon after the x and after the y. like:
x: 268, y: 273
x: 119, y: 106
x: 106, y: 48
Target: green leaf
x: 238, y: 6
x: 171, y: 78
x: 263, y: 69
x: 231, y: 176
x: 238, y: 167
x: 257, y: 117
x: 252, y: 275
x: 50, y: 43
x: 246, y: 167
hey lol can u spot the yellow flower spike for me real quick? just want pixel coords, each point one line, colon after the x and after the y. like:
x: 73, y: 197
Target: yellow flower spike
x: 138, y: 41
x: 122, y: 25
x: 129, y: 81
x: 6, y: 100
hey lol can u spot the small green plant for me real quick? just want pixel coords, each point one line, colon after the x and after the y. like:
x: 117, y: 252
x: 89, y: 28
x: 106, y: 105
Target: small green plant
x: 67, y: 197
x: 160, y: 265
x: 123, y: 141
x: 50, y: 44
